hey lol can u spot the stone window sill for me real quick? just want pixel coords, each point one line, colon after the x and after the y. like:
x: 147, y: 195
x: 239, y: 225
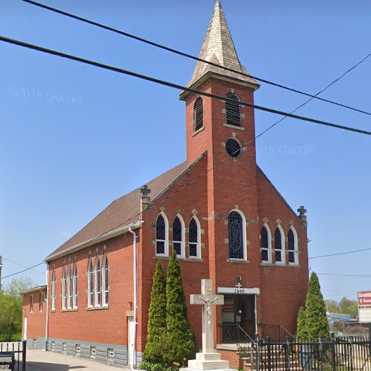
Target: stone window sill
x: 238, y: 261
x: 105, y: 307
x: 68, y: 310
x: 234, y: 127
x: 198, y: 131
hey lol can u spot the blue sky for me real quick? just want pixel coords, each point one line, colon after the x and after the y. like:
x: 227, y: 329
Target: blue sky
x: 73, y: 138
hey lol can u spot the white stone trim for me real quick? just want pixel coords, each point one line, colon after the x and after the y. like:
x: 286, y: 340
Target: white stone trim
x: 244, y: 291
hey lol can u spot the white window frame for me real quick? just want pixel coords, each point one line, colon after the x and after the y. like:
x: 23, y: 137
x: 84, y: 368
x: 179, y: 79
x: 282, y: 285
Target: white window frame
x: 198, y: 243
x: 74, y: 287
x: 166, y: 241
x: 244, y: 235
x: 52, y: 290
x: 98, y: 275
x: 296, y: 247
x: 283, y: 246
x: 104, y: 281
x: 64, y: 290
x: 91, y: 283
x: 269, y: 249
x: 182, y: 242
x: 69, y: 288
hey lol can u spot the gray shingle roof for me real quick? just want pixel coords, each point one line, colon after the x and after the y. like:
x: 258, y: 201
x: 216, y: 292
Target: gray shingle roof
x: 218, y: 47
x: 121, y: 212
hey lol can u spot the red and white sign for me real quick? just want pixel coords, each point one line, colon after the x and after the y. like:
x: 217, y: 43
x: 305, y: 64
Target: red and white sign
x: 364, y: 306
x: 364, y: 299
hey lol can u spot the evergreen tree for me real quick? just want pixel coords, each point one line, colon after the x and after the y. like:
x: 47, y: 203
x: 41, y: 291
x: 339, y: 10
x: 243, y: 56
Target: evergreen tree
x: 316, y: 324
x: 301, y: 323
x: 156, y: 327
x: 180, y: 342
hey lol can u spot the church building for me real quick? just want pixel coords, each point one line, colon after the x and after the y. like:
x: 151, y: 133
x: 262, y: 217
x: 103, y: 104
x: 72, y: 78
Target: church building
x: 218, y: 212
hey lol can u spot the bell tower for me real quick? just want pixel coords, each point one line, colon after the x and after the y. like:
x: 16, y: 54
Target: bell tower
x: 211, y: 122
x: 226, y: 132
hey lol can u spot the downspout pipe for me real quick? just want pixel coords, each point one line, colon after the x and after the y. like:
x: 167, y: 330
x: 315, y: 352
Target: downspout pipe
x: 135, y: 289
x: 47, y: 310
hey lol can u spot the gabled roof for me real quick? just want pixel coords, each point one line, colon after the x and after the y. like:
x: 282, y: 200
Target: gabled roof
x: 34, y: 289
x: 121, y: 213
x: 218, y: 47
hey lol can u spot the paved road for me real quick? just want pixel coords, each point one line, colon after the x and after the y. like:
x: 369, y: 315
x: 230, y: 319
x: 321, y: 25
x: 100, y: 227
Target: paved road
x: 38, y: 360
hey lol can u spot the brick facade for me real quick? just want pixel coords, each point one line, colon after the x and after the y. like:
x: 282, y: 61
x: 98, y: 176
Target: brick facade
x: 209, y: 186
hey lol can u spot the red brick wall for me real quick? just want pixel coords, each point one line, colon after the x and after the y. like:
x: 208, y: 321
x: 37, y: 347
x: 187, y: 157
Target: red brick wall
x: 283, y: 287
x: 187, y: 195
x: 108, y: 326
x: 36, y: 316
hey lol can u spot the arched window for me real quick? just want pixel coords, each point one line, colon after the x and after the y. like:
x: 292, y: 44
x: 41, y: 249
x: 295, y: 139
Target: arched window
x: 178, y: 236
x: 237, y: 235
x: 162, y: 235
x: 194, y: 238
x: 98, y: 283
x: 105, y: 282
x: 292, y: 248
x: 198, y: 114
x: 266, y: 244
x: 232, y: 108
x: 64, y: 289
x: 52, y: 291
x: 74, y: 286
x: 70, y: 288
x: 90, y: 283
x: 279, y: 245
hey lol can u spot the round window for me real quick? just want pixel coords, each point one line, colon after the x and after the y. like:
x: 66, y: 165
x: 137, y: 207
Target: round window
x: 233, y: 147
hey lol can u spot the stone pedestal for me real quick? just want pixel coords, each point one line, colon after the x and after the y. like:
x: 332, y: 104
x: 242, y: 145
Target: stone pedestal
x: 207, y: 361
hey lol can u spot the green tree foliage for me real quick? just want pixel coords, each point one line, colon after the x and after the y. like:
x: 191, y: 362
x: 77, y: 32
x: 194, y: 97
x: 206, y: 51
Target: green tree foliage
x: 156, y: 328
x: 301, y: 323
x: 180, y: 342
x: 10, y: 317
x: 11, y: 309
x: 316, y: 324
x: 345, y: 306
x: 348, y: 306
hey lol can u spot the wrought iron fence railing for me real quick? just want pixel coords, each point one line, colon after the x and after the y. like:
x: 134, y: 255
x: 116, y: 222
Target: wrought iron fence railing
x: 13, y: 355
x: 338, y: 354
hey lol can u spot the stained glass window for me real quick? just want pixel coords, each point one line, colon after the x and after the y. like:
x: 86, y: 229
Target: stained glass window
x: 236, y: 243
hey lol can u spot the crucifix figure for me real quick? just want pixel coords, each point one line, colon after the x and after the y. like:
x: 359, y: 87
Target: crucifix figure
x: 208, y: 299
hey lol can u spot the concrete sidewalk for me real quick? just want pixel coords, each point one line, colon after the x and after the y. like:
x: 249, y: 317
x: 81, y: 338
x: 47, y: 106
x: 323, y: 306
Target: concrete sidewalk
x: 38, y: 360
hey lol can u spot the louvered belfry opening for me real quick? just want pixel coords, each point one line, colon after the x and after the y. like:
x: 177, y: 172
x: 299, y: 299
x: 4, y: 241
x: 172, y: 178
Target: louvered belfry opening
x: 232, y: 108
x: 198, y: 114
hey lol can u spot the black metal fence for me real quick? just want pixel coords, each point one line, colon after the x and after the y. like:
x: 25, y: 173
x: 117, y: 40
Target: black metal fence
x: 340, y: 354
x: 13, y: 355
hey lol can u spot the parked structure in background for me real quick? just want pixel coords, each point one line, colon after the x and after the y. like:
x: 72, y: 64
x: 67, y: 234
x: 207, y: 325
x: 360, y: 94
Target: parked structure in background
x: 217, y: 211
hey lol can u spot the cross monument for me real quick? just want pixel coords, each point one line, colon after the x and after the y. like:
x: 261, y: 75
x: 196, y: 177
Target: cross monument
x: 208, y: 359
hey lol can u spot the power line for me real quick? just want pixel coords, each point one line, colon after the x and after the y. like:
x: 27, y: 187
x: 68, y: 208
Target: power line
x: 333, y: 82
x: 176, y: 86
x: 350, y: 252
x: 189, y: 56
x: 22, y: 271
x: 345, y: 275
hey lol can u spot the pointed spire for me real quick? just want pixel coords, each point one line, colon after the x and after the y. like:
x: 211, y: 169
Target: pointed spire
x: 218, y: 47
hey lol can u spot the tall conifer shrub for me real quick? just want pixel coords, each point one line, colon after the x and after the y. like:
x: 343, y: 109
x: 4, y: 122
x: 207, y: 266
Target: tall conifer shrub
x: 312, y: 320
x: 180, y: 342
x: 156, y: 328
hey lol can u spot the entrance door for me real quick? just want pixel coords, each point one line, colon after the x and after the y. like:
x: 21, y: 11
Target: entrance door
x: 131, y: 342
x: 238, y: 318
